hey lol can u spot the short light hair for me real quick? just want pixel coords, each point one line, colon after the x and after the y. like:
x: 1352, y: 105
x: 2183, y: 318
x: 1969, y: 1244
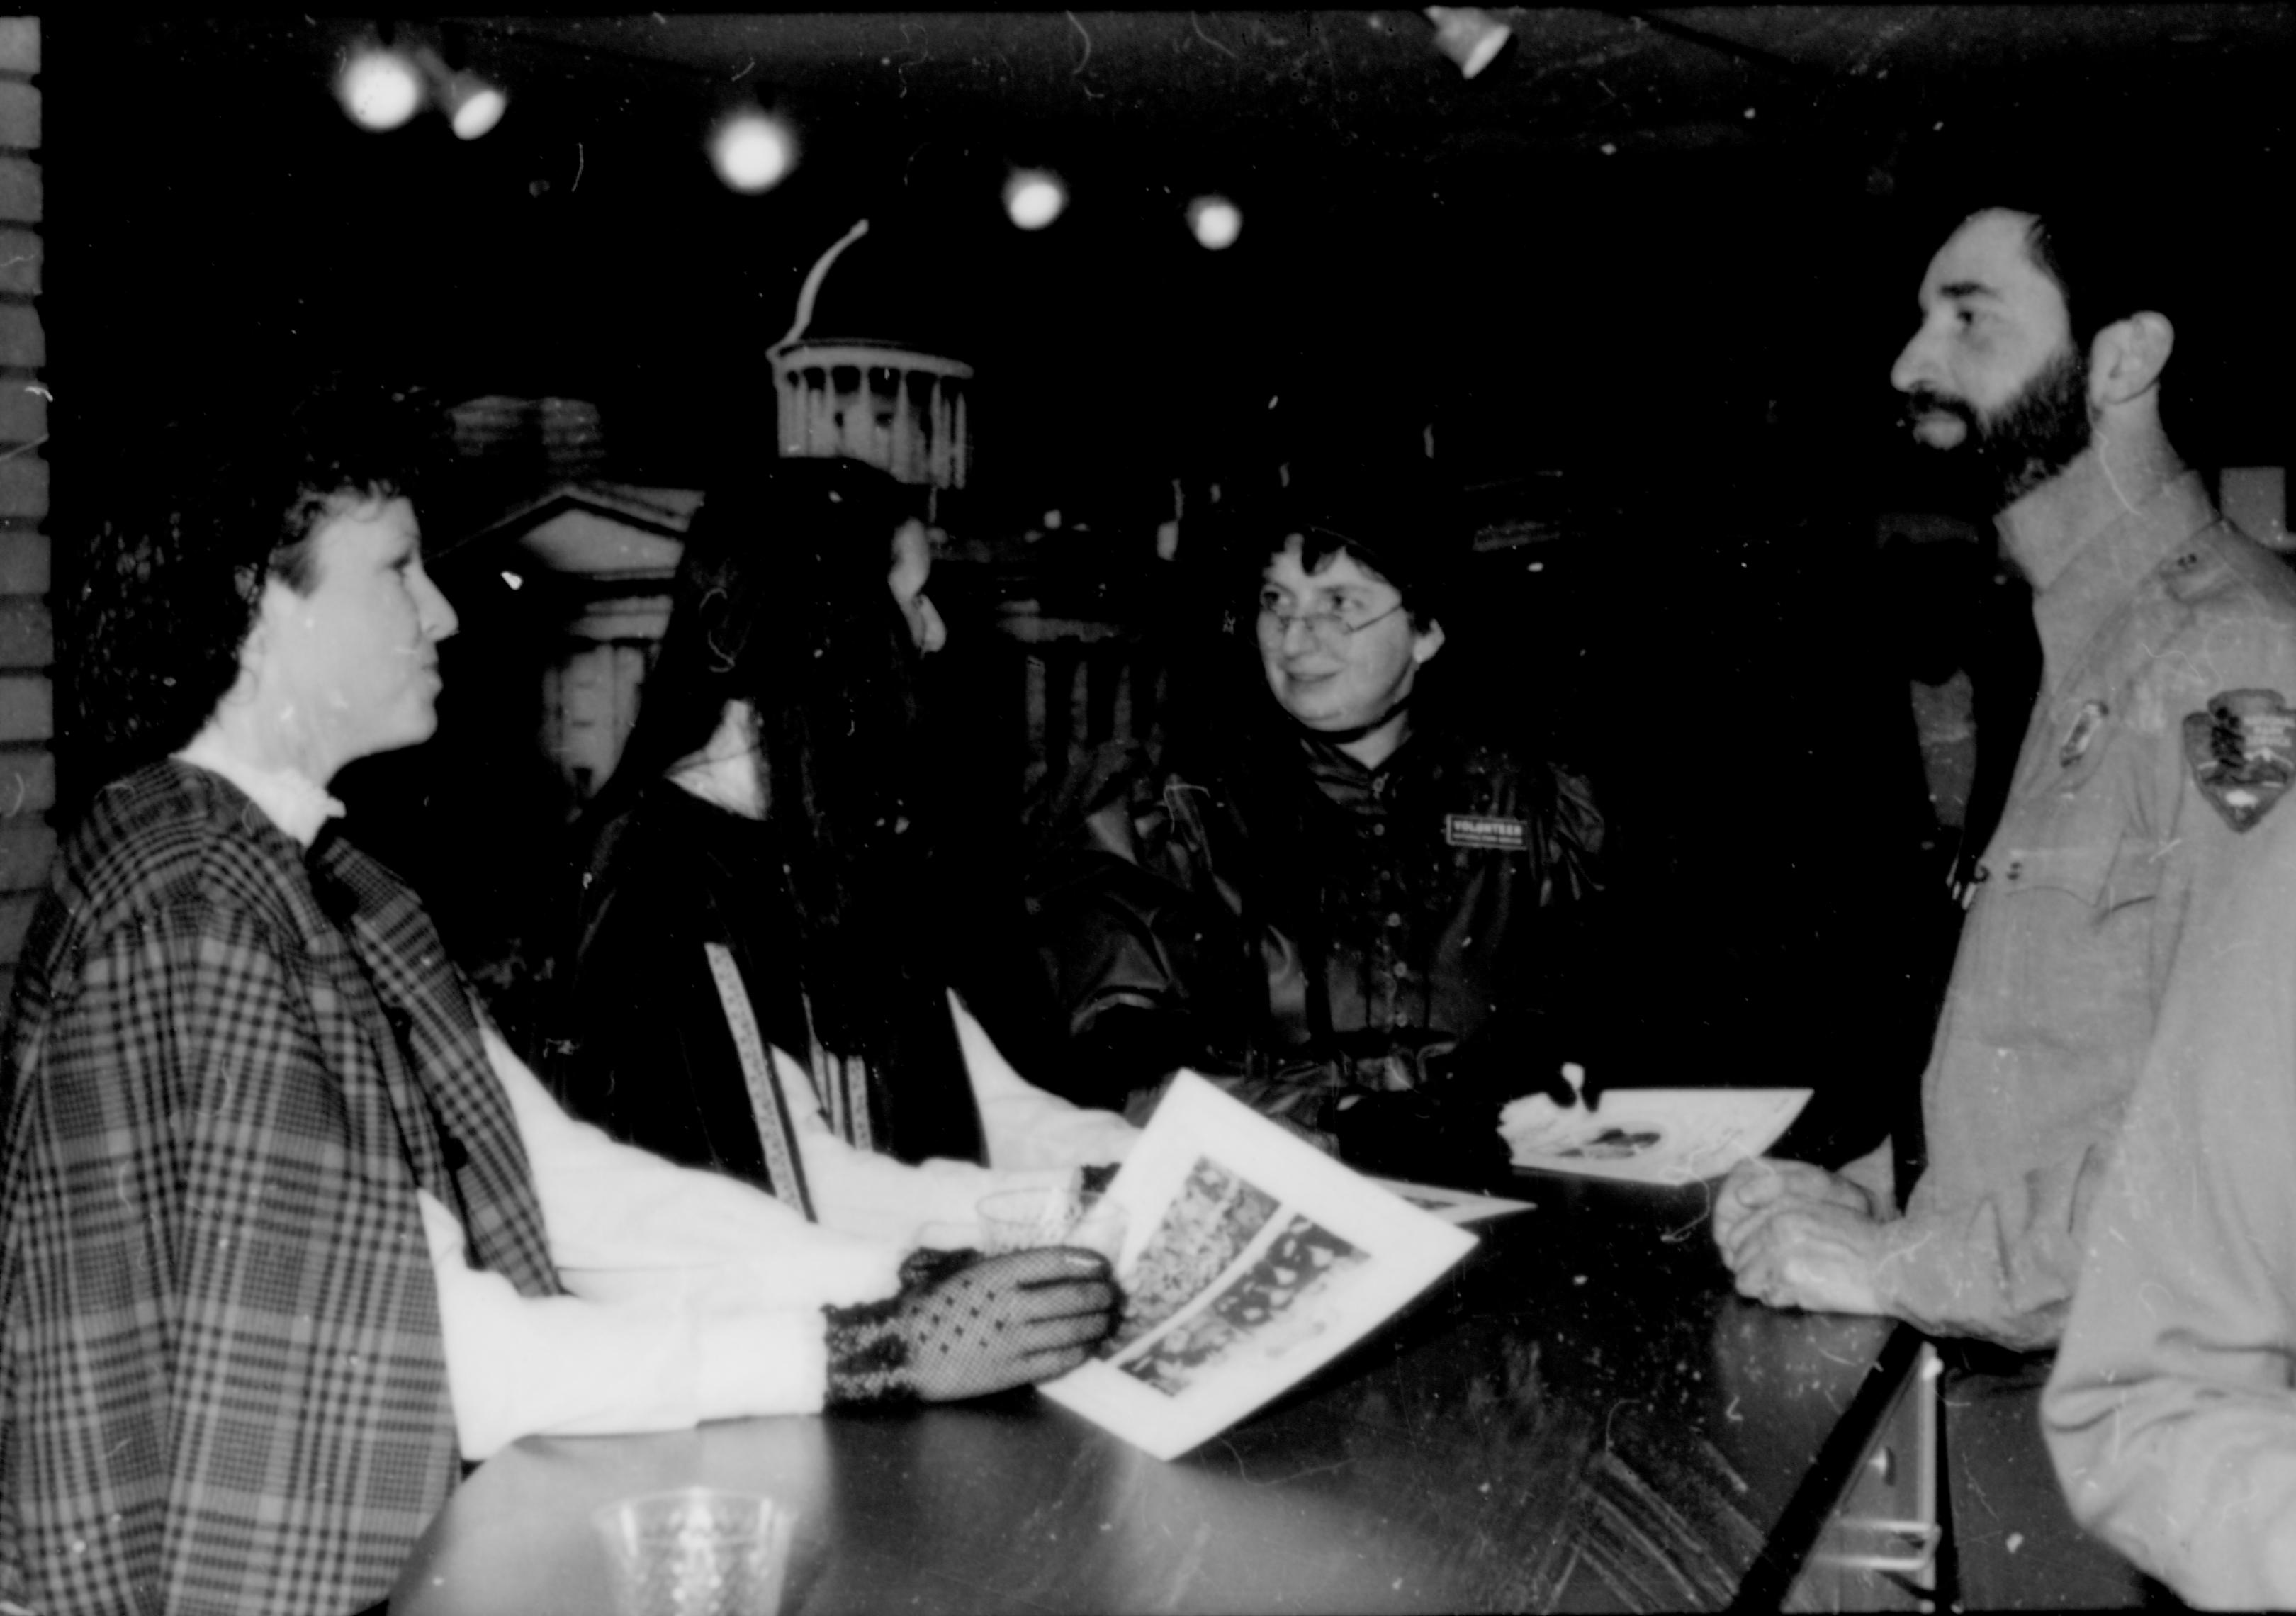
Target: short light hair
x: 175, y: 566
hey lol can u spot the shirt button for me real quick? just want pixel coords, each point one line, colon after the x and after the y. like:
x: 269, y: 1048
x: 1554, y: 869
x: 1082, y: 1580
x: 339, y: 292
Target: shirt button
x: 1394, y: 919
x: 1379, y: 830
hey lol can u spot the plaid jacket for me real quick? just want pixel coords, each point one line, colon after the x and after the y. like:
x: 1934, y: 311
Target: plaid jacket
x: 222, y: 1384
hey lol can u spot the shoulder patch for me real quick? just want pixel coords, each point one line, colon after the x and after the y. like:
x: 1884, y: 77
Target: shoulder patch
x: 2241, y: 751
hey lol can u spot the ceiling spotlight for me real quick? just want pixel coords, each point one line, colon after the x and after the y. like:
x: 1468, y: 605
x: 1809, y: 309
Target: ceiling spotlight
x: 1034, y: 198
x: 753, y: 152
x: 380, y: 88
x: 1216, y: 221
x: 474, y: 106
x: 1469, y: 36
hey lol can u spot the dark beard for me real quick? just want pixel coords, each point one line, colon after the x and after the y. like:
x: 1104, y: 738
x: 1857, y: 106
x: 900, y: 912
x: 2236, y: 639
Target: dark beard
x: 2030, y: 440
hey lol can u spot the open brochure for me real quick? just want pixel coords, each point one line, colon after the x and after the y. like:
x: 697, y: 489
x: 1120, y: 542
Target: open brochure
x: 1250, y: 1260
x: 1650, y: 1135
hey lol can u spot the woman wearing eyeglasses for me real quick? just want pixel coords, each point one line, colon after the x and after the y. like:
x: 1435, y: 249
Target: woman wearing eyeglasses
x: 1330, y: 892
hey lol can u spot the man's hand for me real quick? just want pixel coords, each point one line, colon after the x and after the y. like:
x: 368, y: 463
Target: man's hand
x: 1006, y: 1321
x: 1764, y: 1181
x: 1819, y: 1255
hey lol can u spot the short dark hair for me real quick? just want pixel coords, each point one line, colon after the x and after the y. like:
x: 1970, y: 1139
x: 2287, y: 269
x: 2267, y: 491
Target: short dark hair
x: 2107, y: 271
x: 2074, y: 179
x: 176, y: 565
x: 1400, y: 520
x: 2104, y: 269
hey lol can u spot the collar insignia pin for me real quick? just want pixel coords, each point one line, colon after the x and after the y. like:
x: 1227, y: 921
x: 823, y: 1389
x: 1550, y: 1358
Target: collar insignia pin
x: 2084, y: 731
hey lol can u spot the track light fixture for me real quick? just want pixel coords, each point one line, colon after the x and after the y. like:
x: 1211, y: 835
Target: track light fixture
x: 384, y: 82
x: 1470, y: 36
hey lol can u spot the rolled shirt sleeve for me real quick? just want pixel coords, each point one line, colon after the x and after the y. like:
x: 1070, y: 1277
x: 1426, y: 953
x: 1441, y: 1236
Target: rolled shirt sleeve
x: 696, y: 1296
x: 2171, y: 1412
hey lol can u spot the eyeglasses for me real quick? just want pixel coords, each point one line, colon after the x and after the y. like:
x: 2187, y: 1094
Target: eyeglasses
x: 1329, y: 626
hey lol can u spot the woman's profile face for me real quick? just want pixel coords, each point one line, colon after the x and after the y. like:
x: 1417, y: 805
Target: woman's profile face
x: 911, y: 566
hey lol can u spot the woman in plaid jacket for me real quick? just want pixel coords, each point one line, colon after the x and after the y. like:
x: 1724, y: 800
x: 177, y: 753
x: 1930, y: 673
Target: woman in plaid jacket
x: 287, y: 1234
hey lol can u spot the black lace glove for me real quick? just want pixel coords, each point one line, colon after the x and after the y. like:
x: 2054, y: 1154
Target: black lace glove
x: 963, y: 1325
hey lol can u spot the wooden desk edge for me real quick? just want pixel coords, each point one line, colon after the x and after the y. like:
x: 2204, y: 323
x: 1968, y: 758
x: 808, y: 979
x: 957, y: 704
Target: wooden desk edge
x: 1799, y: 1526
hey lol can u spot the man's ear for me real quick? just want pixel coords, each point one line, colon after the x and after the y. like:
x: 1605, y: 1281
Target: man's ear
x: 1427, y: 643
x: 2127, y: 358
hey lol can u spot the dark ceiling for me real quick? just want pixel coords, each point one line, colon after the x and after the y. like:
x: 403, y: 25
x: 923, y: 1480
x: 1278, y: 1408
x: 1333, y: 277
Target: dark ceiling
x: 1634, y: 236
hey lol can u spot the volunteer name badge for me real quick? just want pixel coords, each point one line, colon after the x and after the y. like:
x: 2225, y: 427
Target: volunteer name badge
x: 2243, y: 754
x: 1486, y: 831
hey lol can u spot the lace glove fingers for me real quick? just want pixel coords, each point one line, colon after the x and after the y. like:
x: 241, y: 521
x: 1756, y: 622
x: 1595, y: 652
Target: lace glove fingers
x: 1007, y: 1321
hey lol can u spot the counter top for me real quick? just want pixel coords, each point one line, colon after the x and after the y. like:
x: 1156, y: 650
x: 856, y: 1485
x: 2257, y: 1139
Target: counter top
x: 1582, y: 1415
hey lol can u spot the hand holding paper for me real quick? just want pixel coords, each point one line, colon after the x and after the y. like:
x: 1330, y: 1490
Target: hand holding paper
x: 1251, y: 1260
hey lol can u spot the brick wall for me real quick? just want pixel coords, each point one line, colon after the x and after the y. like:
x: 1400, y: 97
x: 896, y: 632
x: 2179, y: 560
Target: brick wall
x: 27, y: 772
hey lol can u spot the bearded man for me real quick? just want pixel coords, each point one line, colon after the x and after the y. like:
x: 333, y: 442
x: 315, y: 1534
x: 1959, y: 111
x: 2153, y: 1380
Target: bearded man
x: 2146, y: 793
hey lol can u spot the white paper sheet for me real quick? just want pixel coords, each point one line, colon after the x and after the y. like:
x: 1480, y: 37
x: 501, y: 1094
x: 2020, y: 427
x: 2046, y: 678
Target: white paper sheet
x: 1453, y: 1206
x: 1650, y: 1135
x: 1251, y: 1260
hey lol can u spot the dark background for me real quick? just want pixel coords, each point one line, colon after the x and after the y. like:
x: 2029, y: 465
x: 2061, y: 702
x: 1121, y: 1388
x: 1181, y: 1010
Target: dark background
x: 1643, y: 279
x: 1634, y: 238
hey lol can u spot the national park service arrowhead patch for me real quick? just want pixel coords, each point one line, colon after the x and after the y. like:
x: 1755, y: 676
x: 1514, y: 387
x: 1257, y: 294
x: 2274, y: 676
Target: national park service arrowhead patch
x: 2243, y: 754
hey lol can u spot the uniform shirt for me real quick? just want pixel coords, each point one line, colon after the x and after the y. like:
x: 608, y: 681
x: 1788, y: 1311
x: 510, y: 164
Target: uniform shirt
x: 2169, y: 645
x: 2172, y: 1411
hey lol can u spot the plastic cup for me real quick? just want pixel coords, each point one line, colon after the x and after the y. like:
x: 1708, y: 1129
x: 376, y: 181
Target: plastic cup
x: 1050, y: 1215
x: 696, y: 1551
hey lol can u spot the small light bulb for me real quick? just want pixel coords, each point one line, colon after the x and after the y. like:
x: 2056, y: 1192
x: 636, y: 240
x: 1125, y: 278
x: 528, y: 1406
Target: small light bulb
x: 478, y: 107
x: 1034, y: 198
x: 1216, y: 220
x: 753, y: 152
x: 380, y: 89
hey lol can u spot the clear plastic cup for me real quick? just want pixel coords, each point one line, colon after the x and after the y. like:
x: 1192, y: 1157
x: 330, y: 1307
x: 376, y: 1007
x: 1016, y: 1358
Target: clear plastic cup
x: 1050, y: 1215
x: 696, y: 1551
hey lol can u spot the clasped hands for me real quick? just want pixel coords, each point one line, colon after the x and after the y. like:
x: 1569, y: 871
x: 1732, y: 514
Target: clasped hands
x: 1798, y: 1236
